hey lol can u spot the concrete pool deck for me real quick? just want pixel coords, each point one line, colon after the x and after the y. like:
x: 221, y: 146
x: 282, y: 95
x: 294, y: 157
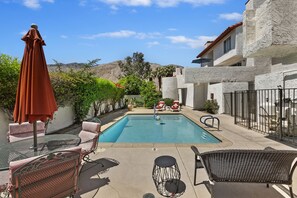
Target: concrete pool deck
x: 127, y: 171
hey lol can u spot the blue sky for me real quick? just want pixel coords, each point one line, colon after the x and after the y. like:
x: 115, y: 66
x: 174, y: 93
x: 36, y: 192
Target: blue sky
x: 166, y: 31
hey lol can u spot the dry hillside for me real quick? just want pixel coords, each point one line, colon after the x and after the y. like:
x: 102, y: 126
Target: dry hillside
x: 110, y: 71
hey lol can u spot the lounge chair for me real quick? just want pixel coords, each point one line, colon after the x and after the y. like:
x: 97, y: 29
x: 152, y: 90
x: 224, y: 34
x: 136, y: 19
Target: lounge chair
x: 51, y: 175
x: 175, y: 106
x: 161, y: 106
x: 89, y: 139
x: 266, y: 166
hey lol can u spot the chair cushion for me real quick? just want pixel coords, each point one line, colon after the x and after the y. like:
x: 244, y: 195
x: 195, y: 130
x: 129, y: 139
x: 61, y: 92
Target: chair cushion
x: 15, y: 128
x: 21, y: 136
x: 87, y: 141
x: 91, y: 127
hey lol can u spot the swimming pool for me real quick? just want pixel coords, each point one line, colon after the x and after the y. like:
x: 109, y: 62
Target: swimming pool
x: 146, y: 129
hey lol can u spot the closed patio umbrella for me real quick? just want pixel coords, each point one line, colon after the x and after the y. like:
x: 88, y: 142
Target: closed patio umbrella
x: 35, y: 97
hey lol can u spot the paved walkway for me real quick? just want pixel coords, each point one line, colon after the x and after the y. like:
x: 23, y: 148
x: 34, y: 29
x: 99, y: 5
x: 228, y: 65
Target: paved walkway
x: 127, y: 171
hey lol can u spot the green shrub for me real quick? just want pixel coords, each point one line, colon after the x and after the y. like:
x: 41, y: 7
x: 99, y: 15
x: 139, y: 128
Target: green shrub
x: 149, y: 94
x: 139, y: 102
x: 168, y: 101
x: 211, y: 106
x: 9, y: 75
x: 131, y: 84
x: 77, y: 88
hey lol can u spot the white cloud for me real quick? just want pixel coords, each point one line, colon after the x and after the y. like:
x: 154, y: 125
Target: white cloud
x: 234, y: 16
x: 64, y: 36
x: 150, y: 35
x: 190, y: 42
x: 119, y: 34
x: 114, y: 8
x: 153, y: 43
x: 128, y: 2
x: 172, y: 29
x: 49, y: 1
x: 161, y: 3
x: 35, y: 4
x: 170, y: 3
x: 124, y: 34
x: 82, y: 2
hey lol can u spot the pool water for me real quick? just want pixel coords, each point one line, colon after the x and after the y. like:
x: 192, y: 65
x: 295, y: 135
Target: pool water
x: 146, y: 129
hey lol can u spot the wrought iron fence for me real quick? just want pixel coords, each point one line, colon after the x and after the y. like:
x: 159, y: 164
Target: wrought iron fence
x: 270, y: 111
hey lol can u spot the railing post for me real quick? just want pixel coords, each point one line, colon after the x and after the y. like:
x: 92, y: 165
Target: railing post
x: 235, y: 106
x: 242, y: 106
x: 280, y: 92
x: 231, y: 101
x: 249, y: 109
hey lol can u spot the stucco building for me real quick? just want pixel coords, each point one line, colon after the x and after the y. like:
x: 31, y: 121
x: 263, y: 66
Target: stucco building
x: 258, y: 53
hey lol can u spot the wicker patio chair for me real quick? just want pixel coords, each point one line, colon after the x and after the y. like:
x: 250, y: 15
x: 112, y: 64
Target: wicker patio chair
x: 89, y: 139
x: 51, y: 175
x: 249, y: 166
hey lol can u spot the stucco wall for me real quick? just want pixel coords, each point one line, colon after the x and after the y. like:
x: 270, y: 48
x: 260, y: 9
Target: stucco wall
x: 169, y: 88
x: 272, y: 80
x: 269, y: 81
x: 190, y: 95
x: 275, y: 27
x: 219, y: 89
x: 3, y: 126
x: 286, y: 61
x: 219, y: 74
x: 63, y: 118
x: 239, y: 40
x: 180, y: 81
x: 218, y: 50
x: 235, y: 54
x: 236, y: 86
x: 282, y: 67
x: 200, y: 95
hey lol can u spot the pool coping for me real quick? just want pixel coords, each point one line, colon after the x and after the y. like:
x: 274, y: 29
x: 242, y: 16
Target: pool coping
x: 224, y: 141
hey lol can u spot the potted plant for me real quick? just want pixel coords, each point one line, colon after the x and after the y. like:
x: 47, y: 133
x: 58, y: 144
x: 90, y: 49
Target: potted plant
x: 131, y: 104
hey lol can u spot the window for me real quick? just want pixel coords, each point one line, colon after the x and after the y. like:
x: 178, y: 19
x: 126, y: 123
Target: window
x: 227, y: 45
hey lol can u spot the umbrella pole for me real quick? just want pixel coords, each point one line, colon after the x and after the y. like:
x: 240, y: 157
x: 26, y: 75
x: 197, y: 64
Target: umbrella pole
x: 35, y: 136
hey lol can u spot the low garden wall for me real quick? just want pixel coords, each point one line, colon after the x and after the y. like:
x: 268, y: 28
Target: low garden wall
x: 63, y: 118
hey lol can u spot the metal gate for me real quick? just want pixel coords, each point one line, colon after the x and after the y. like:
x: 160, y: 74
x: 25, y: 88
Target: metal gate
x: 269, y: 111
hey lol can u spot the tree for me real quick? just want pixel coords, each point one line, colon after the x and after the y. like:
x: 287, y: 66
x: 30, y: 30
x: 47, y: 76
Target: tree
x: 149, y: 94
x: 104, y: 92
x: 9, y: 74
x: 166, y: 71
x: 118, y: 94
x: 131, y: 84
x: 135, y: 65
x: 76, y: 87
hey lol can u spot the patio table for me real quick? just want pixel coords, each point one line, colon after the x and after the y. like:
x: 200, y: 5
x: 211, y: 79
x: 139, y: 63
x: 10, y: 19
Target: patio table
x: 12, y: 151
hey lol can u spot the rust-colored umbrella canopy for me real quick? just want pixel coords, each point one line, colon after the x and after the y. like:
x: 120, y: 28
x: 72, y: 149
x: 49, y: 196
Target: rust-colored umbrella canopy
x: 35, y: 97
